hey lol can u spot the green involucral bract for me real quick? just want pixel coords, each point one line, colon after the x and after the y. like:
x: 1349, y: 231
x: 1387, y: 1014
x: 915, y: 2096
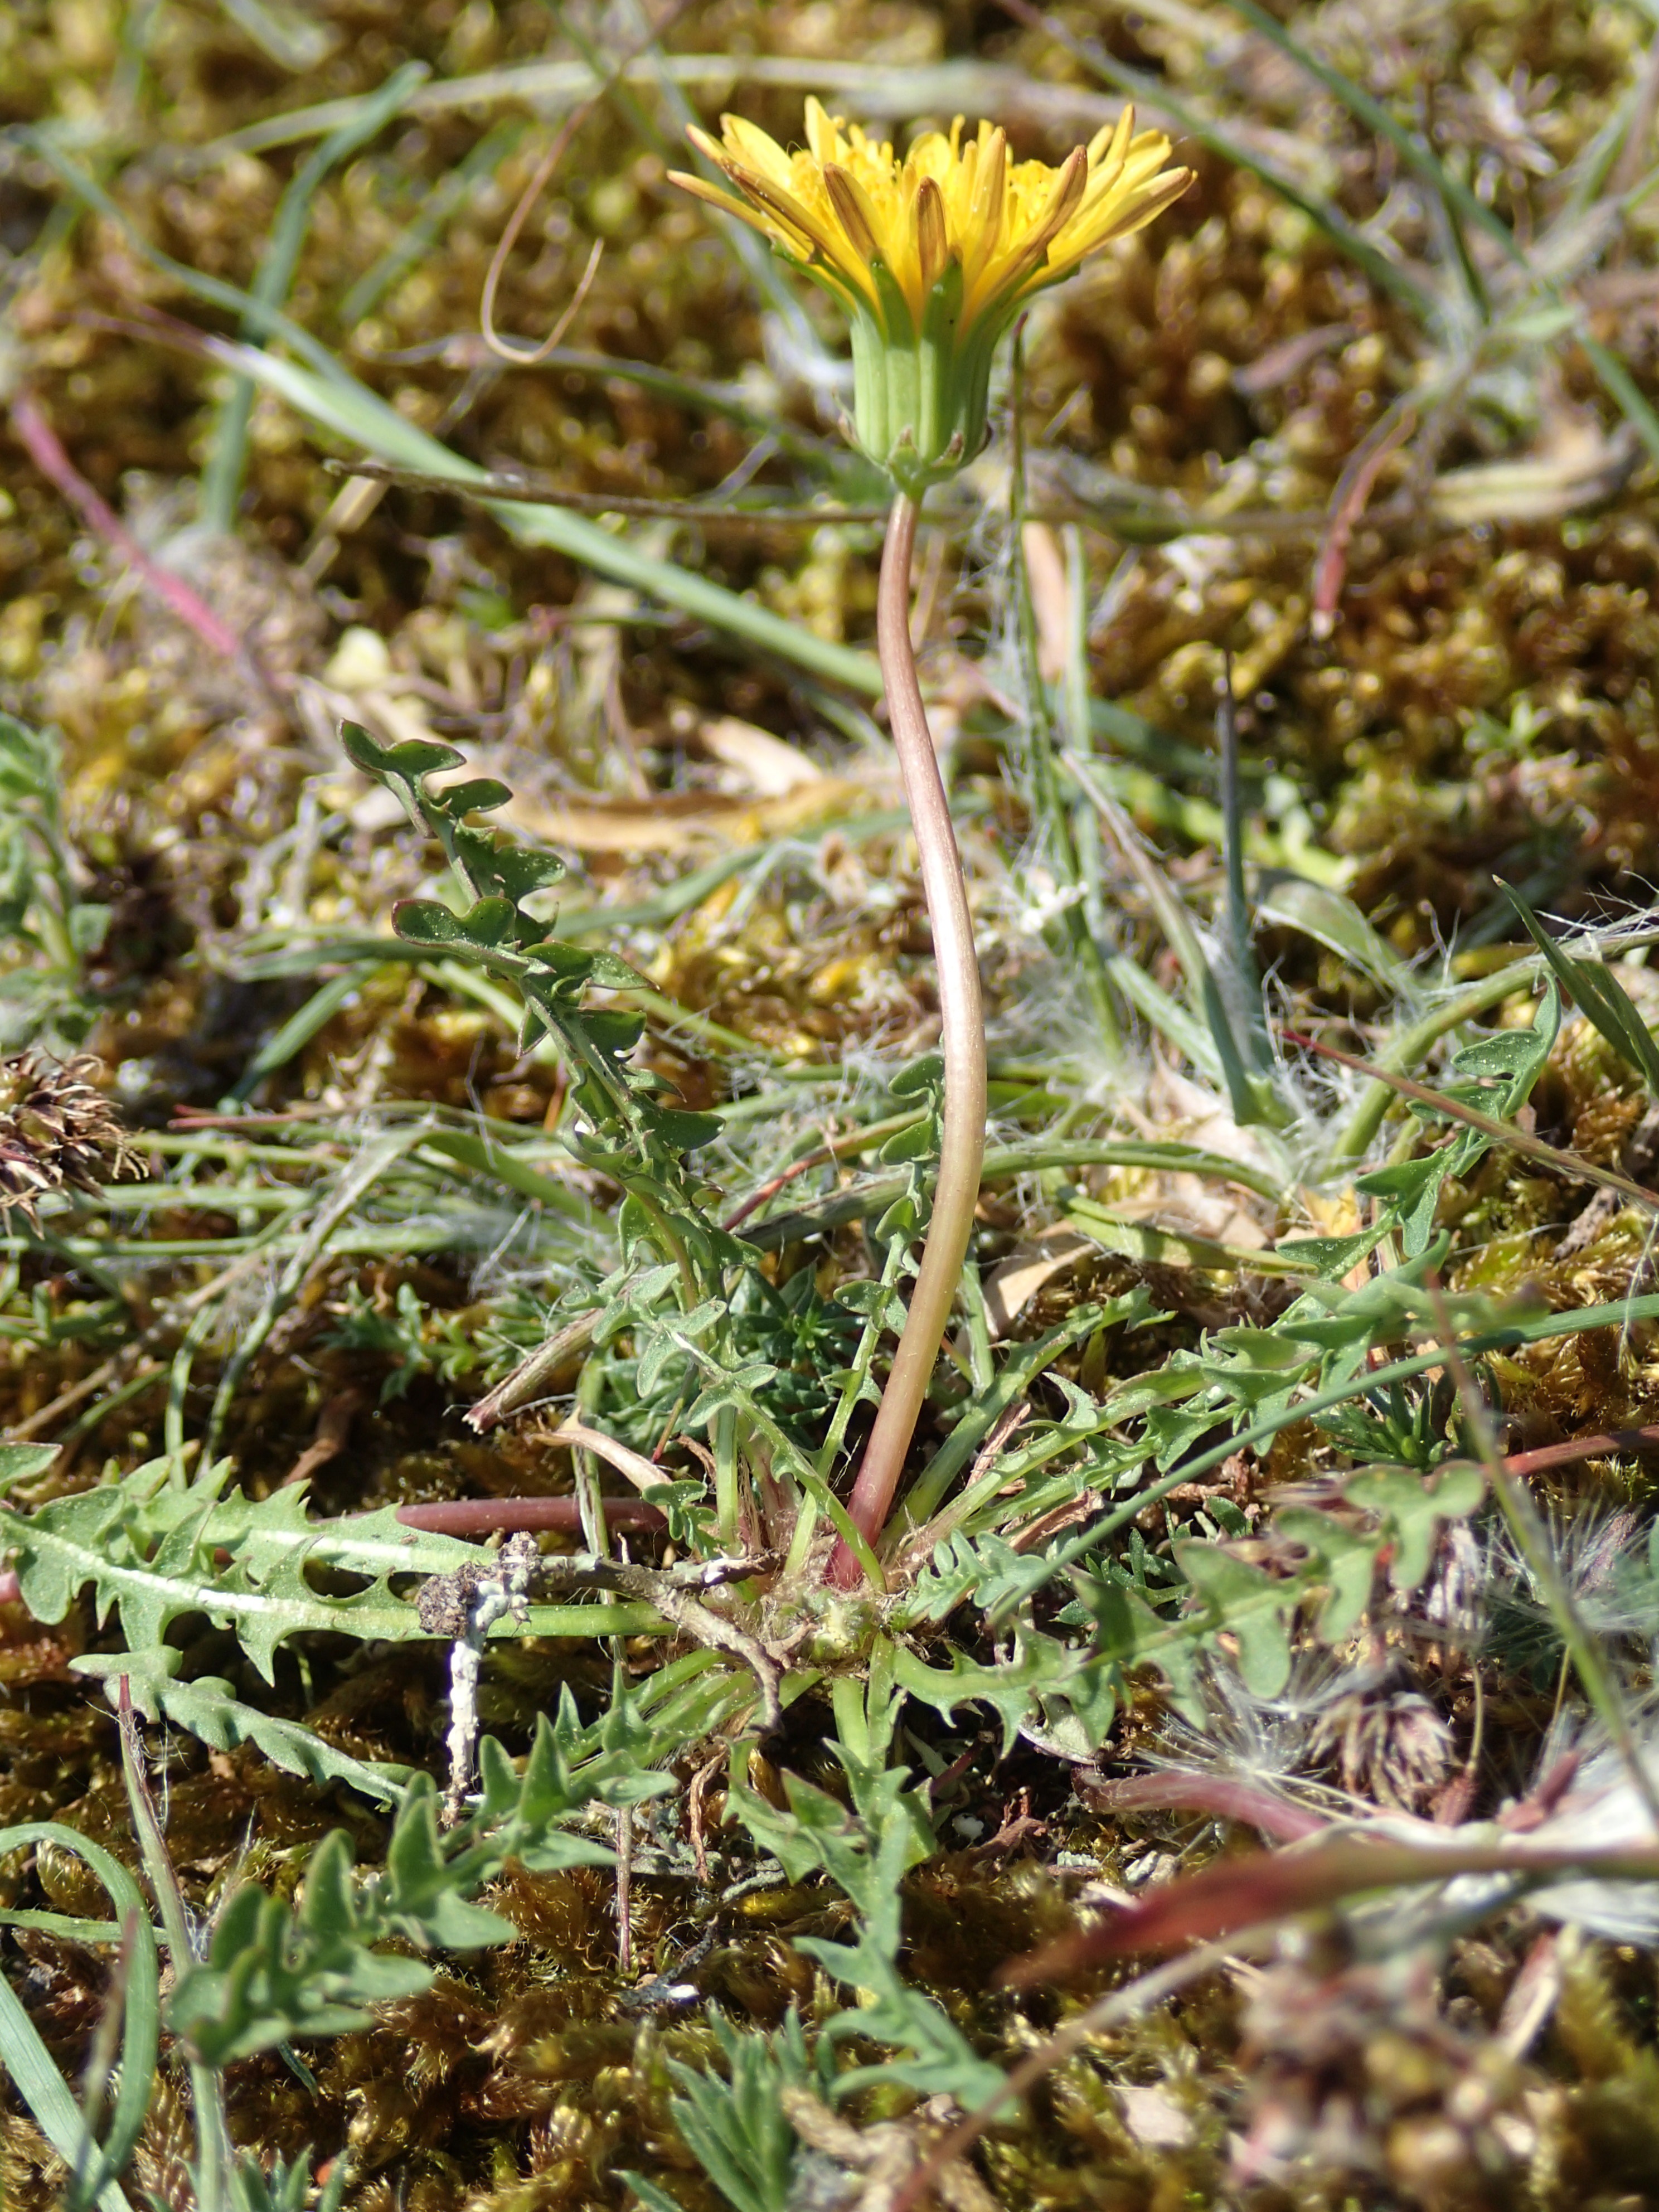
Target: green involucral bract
x: 921, y: 399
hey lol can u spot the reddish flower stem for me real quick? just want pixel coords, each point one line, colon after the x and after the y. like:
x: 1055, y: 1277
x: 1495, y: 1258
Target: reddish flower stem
x: 482, y: 1516
x: 962, y: 1041
x: 44, y: 448
x: 1353, y: 488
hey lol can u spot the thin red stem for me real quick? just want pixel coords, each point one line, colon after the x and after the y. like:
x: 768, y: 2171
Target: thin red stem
x: 484, y: 1516
x: 45, y: 449
x: 962, y: 1041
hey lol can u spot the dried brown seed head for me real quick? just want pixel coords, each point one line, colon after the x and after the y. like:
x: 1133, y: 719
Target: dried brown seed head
x: 56, y: 1131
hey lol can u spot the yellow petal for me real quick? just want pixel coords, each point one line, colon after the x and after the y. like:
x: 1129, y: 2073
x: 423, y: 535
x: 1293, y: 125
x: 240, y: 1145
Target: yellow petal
x: 747, y: 144
x: 851, y: 212
x: 1107, y: 146
x: 1125, y: 217
x: 845, y: 202
x: 1029, y: 246
x: 783, y: 212
x: 932, y: 251
x: 822, y: 133
x: 723, y: 201
x: 985, y: 174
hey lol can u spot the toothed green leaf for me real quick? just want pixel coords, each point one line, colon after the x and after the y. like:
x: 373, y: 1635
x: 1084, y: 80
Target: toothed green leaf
x: 484, y: 926
x: 405, y: 764
x: 152, y: 1554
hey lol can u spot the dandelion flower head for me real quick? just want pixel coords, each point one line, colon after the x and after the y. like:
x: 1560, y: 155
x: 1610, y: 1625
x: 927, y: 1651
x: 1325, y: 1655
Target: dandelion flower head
x: 932, y: 255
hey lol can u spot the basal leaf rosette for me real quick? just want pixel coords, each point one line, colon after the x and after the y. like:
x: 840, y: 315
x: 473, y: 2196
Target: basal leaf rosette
x: 933, y: 256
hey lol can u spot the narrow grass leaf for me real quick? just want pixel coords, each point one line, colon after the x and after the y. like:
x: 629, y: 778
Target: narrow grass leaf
x: 221, y: 479
x: 351, y: 411
x: 26, y: 2060
x: 1155, y: 92
x: 1572, y: 1165
x: 1600, y: 996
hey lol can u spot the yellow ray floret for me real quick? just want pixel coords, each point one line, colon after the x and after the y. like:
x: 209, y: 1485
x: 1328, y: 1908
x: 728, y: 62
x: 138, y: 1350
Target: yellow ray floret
x: 933, y: 256
x: 848, y: 210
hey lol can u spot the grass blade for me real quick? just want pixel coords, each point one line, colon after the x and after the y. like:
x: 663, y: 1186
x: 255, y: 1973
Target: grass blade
x: 1621, y: 387
x: 1153, y: 93
x: 30, y: 2065
x: 1354, y: 1139
x: 1533, y: 1541
x: 353, y: 412
x: 420, y: 236
x: 1460, y: 203
x: 1599, y: 995
x: 213, y: 2152
x: 1251, y: 1094
x: 1333, y: 919
x: 320, y: 388
x: 1499, y: 1133
x: 1539, y: 1330
x: 221, y: 479
x: 44, y: 2092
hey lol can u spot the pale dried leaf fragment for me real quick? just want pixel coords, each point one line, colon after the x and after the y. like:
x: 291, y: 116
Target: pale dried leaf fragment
x: 1051, y: 598
x: 1153, y: 2118
x: 1010, y: 1288
x: 884, y: 2158
x: 765, y: 764
x: 1576, y: 464
x: 671, y: 822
